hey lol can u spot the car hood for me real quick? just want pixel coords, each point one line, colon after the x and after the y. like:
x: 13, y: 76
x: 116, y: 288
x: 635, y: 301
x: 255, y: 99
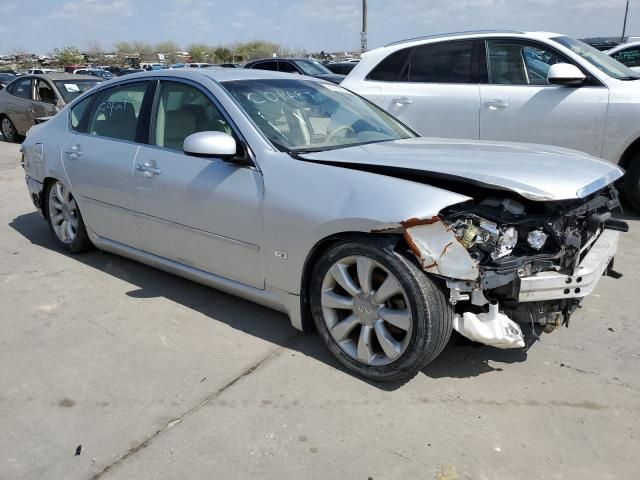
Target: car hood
x: 537, y: 172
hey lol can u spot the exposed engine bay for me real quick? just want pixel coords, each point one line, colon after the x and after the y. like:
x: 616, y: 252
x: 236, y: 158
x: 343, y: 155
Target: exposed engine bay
x: 509, y: 241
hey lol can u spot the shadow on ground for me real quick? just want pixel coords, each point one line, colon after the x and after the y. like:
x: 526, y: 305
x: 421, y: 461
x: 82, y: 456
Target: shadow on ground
x: 460, y: 359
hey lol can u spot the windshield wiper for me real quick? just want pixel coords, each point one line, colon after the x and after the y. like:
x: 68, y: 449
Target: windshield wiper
x: 630, y: 77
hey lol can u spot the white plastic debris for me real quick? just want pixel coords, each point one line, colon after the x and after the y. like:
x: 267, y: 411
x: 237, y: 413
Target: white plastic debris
x: 493, y: 328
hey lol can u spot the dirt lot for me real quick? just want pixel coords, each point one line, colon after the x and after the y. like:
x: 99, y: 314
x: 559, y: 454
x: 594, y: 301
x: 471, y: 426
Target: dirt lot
x: 110, y: 369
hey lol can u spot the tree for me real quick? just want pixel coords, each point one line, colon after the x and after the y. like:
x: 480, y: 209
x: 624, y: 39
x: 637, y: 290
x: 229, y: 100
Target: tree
x: 198, y: 52
x: 147, y: 52
x: 124, y: 49
x: 223, y: 55
x: 95, y: 52
x: 169, y: 49
x: 68, y: 56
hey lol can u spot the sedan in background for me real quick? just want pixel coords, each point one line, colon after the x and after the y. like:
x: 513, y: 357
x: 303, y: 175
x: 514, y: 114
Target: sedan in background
x: 30, y: 97
x: 628, y: 54
x: 298, y: 194
x: 94, y: 72
x: 6, y: 79
x: 300, y: 66
x: 129, y: 71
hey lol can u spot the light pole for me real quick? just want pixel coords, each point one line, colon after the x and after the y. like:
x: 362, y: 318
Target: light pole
x: 363, y: 34
x: 624, y: 24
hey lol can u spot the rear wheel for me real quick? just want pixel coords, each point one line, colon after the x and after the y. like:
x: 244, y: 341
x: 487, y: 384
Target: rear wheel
x: 378, y: 314
x: 632, y: 183
x: 64, y: 218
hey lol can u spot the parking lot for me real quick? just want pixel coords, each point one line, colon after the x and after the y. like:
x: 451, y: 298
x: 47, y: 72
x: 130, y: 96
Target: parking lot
x: 111, y: 369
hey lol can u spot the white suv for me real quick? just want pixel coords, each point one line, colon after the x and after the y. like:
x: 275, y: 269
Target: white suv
x: 510, y: 86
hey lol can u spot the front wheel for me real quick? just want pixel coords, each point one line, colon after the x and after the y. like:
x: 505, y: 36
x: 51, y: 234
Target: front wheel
x: 64, y: 218
x: 378, y: 314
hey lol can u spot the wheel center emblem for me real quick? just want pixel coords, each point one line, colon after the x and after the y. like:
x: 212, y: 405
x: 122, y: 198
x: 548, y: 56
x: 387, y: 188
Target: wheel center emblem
x: 364, y: 309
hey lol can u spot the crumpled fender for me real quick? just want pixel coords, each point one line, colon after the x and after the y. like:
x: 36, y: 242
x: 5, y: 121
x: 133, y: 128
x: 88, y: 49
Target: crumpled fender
x: 438, y: 250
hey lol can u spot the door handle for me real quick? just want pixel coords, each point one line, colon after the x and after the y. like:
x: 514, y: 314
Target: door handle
x: 74, y: 152
x: 148, y: 169
x: 496, y: 104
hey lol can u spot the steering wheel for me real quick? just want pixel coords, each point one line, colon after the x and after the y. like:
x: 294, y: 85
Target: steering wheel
x: 337, y: 130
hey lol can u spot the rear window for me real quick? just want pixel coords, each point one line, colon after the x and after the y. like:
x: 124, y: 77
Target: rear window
x: 70, y: 89
x: 449, y: 62
x: 390, y: 69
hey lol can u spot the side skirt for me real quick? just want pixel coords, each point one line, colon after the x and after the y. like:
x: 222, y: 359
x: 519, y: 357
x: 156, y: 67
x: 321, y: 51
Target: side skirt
x: 279, y: 300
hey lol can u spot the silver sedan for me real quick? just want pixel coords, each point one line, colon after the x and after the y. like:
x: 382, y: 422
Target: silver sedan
x: 300, y: 195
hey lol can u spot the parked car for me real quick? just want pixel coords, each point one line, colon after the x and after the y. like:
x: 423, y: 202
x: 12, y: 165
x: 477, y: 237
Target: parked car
x: 41, y: 71
x: 628, y: 54
x: 529, y: 87
x: 129, y: 71
x: 73, y: 68
x: 301, y: 66
x: 198, y: 65
x: 228, y: 65
x: 5, y: 79
x: 30, y: 97
x: 383, y: 241
x: 341, y: 68
x: 94, y: 72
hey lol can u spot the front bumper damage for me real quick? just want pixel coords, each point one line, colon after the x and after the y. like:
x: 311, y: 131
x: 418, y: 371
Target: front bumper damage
x: 491, y: 300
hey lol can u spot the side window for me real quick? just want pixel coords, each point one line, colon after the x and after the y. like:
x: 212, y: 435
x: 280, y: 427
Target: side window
x: 180, y: 111
x: 516, y: 63
x: 629, y: 57
x: 116, y: 110
x: 270, y: 65
x: 22, y: 88
x: 449, y: 62
x: 392, y: 68
x: 77, y: 112
x: 44, y: 92
x: 287, y: 67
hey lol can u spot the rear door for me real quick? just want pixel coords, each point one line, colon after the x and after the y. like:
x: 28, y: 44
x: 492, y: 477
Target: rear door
x: 433, y: 88
x: 519, y: 105
x: 99, y: 155
x: 44, y: 100
x: 19, y: 104
x: 200, y: 212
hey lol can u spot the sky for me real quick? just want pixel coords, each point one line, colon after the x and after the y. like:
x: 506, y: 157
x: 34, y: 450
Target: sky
x: 39, y: 26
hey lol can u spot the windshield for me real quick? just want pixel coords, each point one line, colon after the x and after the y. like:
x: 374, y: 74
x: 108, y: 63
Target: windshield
x: 305, y: 115
x: 598, y: 59
x: 312, y: 68
x: 70, y: 89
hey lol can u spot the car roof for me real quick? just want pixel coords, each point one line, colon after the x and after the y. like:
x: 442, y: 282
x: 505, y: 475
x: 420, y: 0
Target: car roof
x: 471, y: 34
x: 219, y: 74
x: 622, y: 46
x: 63, y: 76
x: 280, y: 58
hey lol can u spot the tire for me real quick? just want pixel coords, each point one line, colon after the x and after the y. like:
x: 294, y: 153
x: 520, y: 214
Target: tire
x: 632, y: 183
x: 61, y: 207
x: 8, y: 130
x: 353, y: 333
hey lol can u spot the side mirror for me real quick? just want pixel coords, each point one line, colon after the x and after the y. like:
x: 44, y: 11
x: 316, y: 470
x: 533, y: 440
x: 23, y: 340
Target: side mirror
x: 565, y: 74
x: 211, y: 144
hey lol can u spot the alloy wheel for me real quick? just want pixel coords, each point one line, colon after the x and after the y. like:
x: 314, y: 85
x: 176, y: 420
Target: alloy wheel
x: 366, y: 310
x: 8, y: 130
x: 63, y: 213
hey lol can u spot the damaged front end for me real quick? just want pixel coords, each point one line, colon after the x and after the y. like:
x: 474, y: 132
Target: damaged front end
x: 509, y: 261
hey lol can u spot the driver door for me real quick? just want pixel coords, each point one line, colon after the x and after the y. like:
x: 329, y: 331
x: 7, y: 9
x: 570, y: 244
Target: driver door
x: 44, y: 100
x: 201, y: 212
x: 519, y: 105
